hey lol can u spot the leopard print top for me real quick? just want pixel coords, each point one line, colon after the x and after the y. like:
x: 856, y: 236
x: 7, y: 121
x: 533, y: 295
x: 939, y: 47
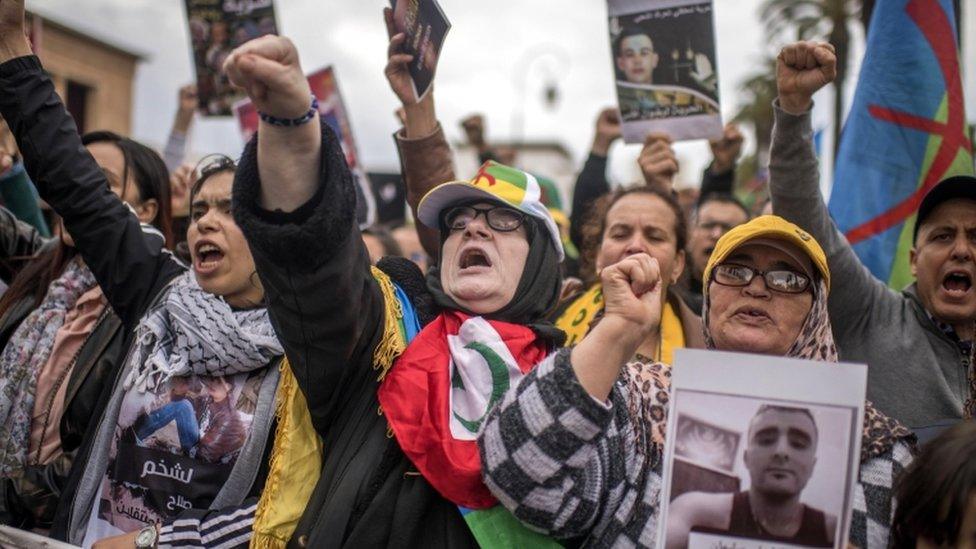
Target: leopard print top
x: 649, y: 384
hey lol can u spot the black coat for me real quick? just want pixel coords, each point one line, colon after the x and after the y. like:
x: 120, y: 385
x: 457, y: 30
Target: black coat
x: 329, y: 314
x: 129, y: 264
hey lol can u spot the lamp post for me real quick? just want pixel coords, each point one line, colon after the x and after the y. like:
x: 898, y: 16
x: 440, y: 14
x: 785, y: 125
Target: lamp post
x: 554, y: 63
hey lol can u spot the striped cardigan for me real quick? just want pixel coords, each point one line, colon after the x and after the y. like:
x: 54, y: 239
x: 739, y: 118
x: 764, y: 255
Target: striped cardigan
x: 567, y: 465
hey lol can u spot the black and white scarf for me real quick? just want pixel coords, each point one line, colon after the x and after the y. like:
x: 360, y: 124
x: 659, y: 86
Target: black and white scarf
x: 195, y: 332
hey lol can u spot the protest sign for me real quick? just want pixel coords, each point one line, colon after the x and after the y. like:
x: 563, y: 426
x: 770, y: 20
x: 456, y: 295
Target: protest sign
x: 665, y: 65
x: 746, y: 428
x: 424, y: 23
x: 216, y: 28
x: 332, y: 109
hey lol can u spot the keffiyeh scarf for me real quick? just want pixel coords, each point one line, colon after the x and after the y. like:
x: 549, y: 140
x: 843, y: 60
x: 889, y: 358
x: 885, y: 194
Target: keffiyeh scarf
x: 194, y: 332
x: 22, y: 359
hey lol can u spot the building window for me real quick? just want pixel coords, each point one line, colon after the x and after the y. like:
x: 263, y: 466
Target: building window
x: 77, y: 103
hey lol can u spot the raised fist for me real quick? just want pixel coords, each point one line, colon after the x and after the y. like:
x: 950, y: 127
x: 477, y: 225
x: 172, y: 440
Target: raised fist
x: 267, y: 69
x: 13, y: 31
x: 726, y: 151
x: 607, y: 130
x: 632, y: 292
x: 658, y: 162
x: 802, y: 69
x: 474, y: 129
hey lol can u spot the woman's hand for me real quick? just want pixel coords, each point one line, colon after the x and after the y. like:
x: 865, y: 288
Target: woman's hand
x: 267, y: 69
x: 632, y: 313
x: 125, y: 541
x: 13, y: 30
x: 419, y: 117
x: 632, y: 295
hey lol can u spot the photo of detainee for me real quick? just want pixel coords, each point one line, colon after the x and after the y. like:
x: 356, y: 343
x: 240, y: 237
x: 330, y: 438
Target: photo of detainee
x: 216, y: 28
x: 665, y: 63
x: 752, y: 469
x: 182, y: 439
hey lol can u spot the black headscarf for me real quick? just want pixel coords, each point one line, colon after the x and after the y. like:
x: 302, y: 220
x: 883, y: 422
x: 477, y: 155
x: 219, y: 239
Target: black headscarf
x: 538, y: 289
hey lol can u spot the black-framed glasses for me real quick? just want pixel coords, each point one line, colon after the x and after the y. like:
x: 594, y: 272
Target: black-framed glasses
x: 780, y: 280
x: 500, y: 218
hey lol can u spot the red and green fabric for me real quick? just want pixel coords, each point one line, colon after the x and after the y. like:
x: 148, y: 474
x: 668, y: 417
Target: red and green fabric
x: 905, y: 133
x: 435, y: 398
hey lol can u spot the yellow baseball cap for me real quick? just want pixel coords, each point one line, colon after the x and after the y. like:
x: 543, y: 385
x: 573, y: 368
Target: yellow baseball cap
x: 768, y: 227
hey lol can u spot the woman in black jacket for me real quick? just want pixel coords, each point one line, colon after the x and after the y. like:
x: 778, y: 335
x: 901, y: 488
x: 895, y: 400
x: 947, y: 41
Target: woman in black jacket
x: 61, y: 342
x: 146, y: 460
x: 398, y: 477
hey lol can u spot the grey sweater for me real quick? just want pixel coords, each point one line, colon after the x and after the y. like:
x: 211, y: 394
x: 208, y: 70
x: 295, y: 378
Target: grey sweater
x: 916, y: 373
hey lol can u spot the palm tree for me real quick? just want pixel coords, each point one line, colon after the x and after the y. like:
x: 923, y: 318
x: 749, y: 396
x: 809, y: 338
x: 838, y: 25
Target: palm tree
x: 757, y: 92
x: 808, y: 19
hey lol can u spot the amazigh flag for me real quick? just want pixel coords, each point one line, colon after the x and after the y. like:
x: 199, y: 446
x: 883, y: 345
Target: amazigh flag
x: 905, y: 133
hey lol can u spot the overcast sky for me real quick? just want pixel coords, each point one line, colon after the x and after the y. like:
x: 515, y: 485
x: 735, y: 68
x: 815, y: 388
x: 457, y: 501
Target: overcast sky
x: 488, y: 43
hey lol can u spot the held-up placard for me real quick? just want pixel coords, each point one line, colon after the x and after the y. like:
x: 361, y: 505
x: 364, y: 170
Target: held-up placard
x: 760, y: 451
x: 426, y: 26
x: 666, y: 68
x: 216, y: 28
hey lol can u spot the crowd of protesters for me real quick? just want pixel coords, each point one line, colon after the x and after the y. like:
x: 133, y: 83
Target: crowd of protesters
x: 219, y: 355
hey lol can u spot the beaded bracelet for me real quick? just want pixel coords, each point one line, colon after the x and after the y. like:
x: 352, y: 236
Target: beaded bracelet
x: 292, y: 122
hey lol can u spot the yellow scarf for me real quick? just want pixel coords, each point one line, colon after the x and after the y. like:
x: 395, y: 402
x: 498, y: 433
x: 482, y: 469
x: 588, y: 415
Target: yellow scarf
x: 296, y: 463
x: 296, y: 457
x: 576, y: 319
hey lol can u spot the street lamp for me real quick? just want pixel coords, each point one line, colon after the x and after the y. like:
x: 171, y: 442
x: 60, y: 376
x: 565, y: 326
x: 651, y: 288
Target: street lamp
x: 553, y: 62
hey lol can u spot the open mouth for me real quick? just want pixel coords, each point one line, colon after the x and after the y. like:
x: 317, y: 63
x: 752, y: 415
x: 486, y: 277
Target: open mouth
x: 957, y: 282
x: 473, y: 258
x: 207, y: 256
x: 752, y: 313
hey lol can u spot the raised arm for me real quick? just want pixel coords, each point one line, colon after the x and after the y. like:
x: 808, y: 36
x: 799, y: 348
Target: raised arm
x: 126, y: 262
x: 294, y: 199
x: 578, y: 459
x: 719, y: 176
x: 425, y: 157
x: 802, y: 69
x: 591, y: 183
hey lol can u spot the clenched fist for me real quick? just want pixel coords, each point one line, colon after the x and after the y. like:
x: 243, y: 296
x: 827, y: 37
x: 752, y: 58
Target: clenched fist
x: 267, y: 69
x: 658, y: 162
x: 632, y: 293
x: 802, y: 69
x: 13, y: 31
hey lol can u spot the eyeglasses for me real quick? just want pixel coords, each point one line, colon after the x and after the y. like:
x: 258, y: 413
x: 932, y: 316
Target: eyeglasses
x: 500, y: 218
x: 780, y: 280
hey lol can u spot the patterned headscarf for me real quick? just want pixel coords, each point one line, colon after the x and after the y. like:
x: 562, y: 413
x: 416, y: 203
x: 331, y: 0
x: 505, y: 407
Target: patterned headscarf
x: 649, y: 384
x: 816, y: 342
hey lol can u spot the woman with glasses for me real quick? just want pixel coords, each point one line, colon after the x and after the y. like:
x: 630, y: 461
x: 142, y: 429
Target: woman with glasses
x: 641, y: 220
x: 398, y: 369
x: 179, y: 443
x: 766, y: 288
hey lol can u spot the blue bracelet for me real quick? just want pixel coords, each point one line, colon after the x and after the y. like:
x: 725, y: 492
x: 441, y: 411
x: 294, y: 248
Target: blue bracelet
x: 292, y: 122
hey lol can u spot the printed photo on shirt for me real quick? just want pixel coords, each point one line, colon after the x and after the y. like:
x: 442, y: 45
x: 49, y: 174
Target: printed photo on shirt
x: 176, y: 447
x: 748, y: 469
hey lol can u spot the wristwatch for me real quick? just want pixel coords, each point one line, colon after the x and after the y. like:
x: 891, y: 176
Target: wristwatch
x: 147, y: 537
